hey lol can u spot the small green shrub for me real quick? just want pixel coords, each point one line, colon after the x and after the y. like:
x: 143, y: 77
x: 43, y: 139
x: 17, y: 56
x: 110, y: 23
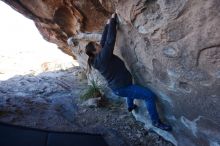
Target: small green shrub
x: 92, y: 91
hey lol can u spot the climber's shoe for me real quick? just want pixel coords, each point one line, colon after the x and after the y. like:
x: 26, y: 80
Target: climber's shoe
x: 162, y: 126
x: 132, y: 108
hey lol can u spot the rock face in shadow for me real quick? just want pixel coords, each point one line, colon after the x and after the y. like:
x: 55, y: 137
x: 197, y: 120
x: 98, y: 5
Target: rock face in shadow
x: 172, y: 47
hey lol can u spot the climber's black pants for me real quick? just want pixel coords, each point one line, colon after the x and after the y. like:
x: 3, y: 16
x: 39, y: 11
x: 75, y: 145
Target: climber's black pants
x: 137, y: 92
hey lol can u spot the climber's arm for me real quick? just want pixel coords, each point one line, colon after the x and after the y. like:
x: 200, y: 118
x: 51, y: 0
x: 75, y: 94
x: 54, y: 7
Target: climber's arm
x: 111, y: 36
x: 107, y: 50
x: 104, y: 34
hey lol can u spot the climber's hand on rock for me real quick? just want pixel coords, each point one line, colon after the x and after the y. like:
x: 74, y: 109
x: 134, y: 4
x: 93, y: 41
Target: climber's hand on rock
x: 108, y: 21
x: 113, y: 15
x: 116, y: 11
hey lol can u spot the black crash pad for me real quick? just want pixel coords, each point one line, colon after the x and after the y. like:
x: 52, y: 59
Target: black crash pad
x: 11, y: 135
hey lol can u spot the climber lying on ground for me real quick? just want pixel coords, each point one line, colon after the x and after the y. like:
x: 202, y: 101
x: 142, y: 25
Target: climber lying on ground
x: 119, y: 79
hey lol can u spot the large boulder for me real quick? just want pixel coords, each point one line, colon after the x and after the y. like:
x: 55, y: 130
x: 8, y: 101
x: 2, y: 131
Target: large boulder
x: 173, y: 47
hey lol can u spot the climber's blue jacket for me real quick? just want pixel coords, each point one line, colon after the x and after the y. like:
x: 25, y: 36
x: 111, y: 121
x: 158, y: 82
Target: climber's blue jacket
x: 108, y: 64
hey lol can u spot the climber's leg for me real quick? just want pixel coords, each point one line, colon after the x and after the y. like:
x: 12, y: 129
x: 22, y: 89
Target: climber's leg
x: 149, y: 98
x: 138, y: 92
x: 130, y: 102
x: 125, y: 92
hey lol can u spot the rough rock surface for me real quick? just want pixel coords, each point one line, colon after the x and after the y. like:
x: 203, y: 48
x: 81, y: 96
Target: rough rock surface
x: 172, y: 47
